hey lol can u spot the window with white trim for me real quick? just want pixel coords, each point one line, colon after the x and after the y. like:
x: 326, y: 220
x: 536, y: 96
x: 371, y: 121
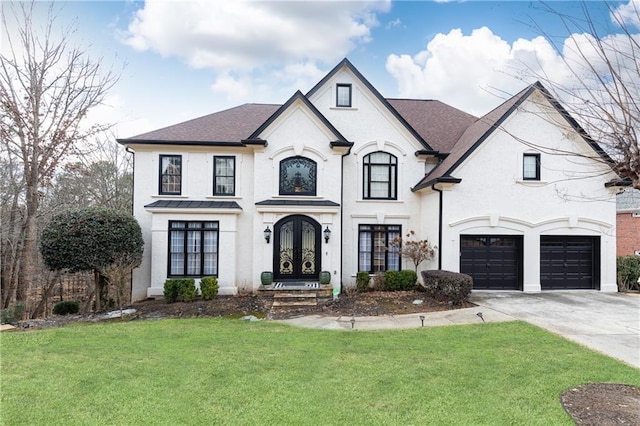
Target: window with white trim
x: 374, y: 253
x: 193, y: 249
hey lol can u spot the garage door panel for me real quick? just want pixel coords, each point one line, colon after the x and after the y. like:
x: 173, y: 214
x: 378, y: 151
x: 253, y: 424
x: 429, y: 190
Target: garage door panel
x: 494, y: 261
x: 569, y: 262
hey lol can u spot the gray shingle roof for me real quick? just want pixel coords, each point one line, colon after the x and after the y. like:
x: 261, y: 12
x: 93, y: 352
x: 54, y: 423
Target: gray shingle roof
x: 472, y: 137
x: 628, y: 200
x: 439, y: 124
x: 231, y: 125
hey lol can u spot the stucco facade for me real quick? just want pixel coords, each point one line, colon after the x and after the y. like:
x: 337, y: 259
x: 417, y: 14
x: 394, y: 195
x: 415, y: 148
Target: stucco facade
x: 368, y: 169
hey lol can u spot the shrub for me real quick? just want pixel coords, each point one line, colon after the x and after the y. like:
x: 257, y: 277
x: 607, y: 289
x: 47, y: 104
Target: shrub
x: 392, y: 281
x: 447, y: 286
x: 209, y: 287
x: 170, y: 291
x: 66, y: 307
x: 628, y: 269
x: 187, y: 290
x: 180, y: 290
x: 362, y: 281
x: 13, y: 313
x: 408, y: 279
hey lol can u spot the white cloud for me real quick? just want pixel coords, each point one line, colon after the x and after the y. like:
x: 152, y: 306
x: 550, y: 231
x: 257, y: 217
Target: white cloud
x: 245, y: 35
x: 627, y: 14
x: 477, y: 72
x: 466, y: 71
x: 235, y: 88
x: 395, y: 23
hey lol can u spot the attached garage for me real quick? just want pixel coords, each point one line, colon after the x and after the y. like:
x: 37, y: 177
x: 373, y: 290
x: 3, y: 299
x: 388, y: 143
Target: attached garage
x: 493, y: 261
x: 569, y: 262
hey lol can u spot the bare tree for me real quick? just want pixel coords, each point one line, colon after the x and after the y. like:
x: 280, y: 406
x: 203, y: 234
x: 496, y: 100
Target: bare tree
x: 47, y: 87
x: 600, y: 80
x: 101, y: 178
x: 415, y: 250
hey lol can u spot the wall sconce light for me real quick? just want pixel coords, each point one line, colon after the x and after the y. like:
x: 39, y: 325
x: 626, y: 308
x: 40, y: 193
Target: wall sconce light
x: 267, y: 234
x: 327, y: 234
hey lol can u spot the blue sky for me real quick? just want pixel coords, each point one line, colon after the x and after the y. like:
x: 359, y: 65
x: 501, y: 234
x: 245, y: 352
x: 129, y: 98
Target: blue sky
x: 187, y: 59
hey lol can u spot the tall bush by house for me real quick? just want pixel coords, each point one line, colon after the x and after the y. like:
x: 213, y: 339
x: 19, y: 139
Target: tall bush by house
x: 628, y: 271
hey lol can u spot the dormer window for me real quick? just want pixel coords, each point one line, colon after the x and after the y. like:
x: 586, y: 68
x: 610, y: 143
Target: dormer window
x: 531, y: 167
x: 343, y: 95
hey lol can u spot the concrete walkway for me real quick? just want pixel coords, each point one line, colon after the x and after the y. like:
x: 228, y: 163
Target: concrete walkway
x: 608, y: 323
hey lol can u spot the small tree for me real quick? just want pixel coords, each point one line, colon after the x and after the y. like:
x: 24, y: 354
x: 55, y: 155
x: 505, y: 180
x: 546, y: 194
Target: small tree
x: 107, y: 242
x: 416, y: 250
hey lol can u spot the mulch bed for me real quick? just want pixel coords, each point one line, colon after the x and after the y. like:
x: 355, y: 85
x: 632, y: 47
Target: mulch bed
x: 603, y: 404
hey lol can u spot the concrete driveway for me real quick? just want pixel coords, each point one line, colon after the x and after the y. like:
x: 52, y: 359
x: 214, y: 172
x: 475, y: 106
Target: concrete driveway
x: 606, y: 322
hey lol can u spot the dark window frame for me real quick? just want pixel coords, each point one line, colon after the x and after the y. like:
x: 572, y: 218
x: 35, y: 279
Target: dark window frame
x: 392, y: 184
x: 347, y: 86
x: 524, y: 164
x: 202, y: 229
x: 390, y: 232
x: 283, y: 182
x: 216, y: 175
x: 161, y: 175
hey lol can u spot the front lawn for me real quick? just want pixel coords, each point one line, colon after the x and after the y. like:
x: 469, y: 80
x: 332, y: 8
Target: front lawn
x: 217, y: 371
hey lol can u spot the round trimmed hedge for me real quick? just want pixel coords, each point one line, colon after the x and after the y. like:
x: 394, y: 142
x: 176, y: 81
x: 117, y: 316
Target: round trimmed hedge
x: 90, y: 239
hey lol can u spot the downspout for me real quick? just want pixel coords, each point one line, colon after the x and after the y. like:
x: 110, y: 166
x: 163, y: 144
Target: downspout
x: 439, y: 191
x: 128, y: 149
x: 133, y: 174
x: 342, y: 212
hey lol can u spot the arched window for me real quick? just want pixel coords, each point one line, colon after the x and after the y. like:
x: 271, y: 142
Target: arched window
x: 298, y: 176
x: 380, y: 176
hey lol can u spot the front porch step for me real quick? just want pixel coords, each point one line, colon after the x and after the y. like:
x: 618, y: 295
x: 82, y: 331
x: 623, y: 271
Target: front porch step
x: 291, y: 303
x: 284, y: 299
x: 283, y: 295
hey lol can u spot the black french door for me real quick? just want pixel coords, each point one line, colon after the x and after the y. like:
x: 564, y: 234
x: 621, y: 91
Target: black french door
x: 296, y: 249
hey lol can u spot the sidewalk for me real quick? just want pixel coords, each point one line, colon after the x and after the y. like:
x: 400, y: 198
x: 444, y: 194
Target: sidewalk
x: 386, y: 322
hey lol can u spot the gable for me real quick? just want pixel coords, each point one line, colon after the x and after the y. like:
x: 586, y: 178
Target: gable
x: 368, y: 116
x: 540, y: 106
x: 299, y: 112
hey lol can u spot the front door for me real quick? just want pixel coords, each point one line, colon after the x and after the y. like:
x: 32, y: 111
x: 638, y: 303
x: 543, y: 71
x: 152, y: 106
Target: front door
x: 297, y: 249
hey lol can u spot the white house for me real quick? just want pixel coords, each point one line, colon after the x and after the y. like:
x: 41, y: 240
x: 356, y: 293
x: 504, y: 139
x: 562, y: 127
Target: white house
x: 515, y: 198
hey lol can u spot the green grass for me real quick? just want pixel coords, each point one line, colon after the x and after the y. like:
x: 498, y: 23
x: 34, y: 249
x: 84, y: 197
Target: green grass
x: 216, y: 371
